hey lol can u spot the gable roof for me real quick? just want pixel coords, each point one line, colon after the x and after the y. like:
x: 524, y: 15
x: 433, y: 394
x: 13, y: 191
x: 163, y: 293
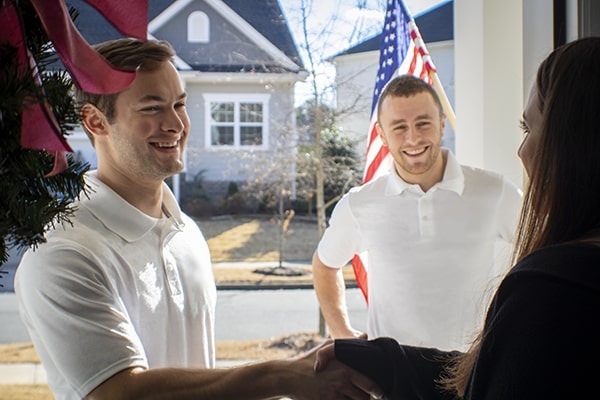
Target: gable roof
x: 261, y: 29
x: 270, y: 21
x: 435, y: 25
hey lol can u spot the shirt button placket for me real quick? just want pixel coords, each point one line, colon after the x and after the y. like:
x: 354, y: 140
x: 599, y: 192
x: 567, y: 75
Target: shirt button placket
x: 426, y: 217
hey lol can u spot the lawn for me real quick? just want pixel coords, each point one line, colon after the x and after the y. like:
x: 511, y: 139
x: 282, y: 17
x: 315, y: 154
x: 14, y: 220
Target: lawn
x: 259, y: 238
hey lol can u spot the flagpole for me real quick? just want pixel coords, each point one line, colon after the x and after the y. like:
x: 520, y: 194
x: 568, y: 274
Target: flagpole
x: 436, y: 83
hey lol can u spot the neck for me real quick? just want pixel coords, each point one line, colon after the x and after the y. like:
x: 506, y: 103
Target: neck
x: 147, y: 197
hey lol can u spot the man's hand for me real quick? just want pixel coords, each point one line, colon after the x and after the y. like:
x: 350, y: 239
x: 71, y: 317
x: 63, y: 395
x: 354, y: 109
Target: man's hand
x: 333, y: 379
x: 324, y: 355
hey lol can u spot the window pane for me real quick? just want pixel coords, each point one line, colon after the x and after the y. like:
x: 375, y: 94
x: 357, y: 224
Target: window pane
x: 221, y: 112
x: 251, y: 112
x: 198, y: 27
x: 221, y: 135
x: 251, y: 136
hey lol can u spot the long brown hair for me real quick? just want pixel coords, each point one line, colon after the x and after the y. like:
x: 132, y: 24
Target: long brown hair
x: 562, y: 200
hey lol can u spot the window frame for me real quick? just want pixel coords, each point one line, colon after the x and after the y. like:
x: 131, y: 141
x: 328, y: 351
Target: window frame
x: 198, y: 27
x: 236, y: 99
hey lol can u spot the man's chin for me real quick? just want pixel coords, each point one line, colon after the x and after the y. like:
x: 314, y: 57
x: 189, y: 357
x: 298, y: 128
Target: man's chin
x: 172, y: 170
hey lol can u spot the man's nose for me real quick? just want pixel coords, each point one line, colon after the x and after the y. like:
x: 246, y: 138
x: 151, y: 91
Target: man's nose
x: 412, y: 135
x: 173, y: 122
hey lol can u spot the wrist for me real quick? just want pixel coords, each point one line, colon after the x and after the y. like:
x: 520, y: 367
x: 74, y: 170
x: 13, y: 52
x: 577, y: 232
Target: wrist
x: 344, y: 333
x: 292, y: 375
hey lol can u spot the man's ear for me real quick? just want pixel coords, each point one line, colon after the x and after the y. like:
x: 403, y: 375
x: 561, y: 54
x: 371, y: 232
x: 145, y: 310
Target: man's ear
x: 443, y: 124
x: 94, y: 120
x: 381, y: 134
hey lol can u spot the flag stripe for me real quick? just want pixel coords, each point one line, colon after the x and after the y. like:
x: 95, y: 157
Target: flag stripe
x: 402, y: 51
x: 374, y: 167
x: 361, y: 275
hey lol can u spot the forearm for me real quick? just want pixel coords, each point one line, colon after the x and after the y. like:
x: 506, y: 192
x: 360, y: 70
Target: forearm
x: 331, y: 292
x: 292, y: 378
x: 253, y: 381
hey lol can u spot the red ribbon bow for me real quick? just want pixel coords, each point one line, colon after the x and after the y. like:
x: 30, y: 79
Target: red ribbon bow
x: 88, y: 69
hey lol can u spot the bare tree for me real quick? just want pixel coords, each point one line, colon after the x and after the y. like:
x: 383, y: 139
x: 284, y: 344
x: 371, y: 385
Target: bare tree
x: 272, y: 184
x: 314, y: 45
x: 313, y: 160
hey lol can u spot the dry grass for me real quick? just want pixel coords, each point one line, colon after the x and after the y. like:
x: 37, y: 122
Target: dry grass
x: 256, y: 239
x: 284, y: 346
x: 25, y: 392
x: 18, y: 353
x: 230, y: 239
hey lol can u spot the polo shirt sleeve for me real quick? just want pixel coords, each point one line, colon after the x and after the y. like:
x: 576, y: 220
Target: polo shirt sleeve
x: 71, y: 332
x: 341, y: 239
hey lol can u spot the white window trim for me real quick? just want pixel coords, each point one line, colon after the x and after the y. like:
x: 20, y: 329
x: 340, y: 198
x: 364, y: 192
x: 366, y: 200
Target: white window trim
x: 198, y: 27
x: 236, y: 98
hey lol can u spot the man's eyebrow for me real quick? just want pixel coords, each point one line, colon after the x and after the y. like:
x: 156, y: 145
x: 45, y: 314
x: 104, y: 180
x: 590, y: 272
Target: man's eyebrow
x: 424, y: 116
x: 417, y: 118
x: 153, y: 97
x: 397, y: 121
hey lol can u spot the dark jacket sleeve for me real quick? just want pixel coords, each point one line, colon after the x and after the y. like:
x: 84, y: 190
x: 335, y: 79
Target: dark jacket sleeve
x: 402, y: 372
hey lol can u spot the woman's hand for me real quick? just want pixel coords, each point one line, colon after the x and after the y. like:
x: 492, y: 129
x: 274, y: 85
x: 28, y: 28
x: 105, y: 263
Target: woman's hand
x: 331, y: 380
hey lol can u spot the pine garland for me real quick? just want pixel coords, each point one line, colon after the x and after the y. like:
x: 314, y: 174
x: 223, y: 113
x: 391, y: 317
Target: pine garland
x: 30, y: 201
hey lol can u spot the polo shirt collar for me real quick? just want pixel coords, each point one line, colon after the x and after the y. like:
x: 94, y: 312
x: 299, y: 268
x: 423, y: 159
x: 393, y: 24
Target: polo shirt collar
x: 121, y: 217
x: 453, y: 179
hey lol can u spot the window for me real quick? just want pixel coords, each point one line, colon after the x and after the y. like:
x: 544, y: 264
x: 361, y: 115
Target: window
x: 237, y: 120
x: 198, y: 28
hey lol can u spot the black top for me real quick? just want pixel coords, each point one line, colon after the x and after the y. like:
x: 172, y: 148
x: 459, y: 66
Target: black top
x: 540, y: 337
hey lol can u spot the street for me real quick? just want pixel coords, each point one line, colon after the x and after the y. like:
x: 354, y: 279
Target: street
x: 264, y: 314
x: 241, y: 314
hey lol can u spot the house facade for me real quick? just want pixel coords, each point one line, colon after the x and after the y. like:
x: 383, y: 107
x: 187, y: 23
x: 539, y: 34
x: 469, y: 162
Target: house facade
x: 239, y: 64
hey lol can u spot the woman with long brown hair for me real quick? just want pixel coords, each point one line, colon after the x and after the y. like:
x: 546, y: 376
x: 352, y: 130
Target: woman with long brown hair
x: 539, y: 340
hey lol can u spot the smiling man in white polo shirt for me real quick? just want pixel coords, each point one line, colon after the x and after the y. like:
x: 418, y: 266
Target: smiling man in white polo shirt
x: 120, y: 304
x: 430, y: 228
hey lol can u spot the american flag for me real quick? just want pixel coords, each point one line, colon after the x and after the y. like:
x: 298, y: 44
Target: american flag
x: 402, y: 51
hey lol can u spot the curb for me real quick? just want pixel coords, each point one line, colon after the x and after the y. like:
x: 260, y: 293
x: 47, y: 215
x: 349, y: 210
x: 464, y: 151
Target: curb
x: 273, y: 286
x: 265, y: 285
x: 250, y: 285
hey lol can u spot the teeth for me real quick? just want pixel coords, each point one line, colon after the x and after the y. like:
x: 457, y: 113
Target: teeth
x: 413, y: 152
x: 166, y: 144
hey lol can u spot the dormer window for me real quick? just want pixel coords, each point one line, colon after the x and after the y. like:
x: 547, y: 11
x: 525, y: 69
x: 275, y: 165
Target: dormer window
x: 198, y: 27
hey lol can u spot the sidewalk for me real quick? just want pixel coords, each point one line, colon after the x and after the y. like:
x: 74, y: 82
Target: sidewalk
x: 22, y: 374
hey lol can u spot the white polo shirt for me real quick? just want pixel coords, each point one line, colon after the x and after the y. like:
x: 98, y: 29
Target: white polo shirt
x: 432, y: 257
x: 117, y: 289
